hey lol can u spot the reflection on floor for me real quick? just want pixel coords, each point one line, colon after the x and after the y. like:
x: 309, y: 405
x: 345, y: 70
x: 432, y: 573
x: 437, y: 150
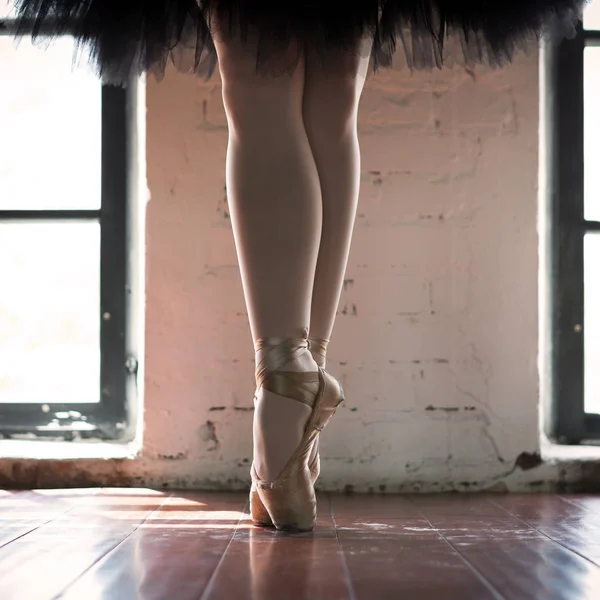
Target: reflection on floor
x: 142, y: 544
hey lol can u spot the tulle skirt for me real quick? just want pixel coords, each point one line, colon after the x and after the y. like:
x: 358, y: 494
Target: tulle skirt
x: 123, y: 38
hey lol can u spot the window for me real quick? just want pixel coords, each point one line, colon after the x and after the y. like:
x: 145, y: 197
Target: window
x: 65, y: 291
x: 574, y: 94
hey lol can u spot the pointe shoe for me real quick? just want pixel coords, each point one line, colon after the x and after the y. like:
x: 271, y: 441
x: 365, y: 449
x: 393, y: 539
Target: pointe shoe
x: 289, y: 502
x: 259, y: 513
x: 318, y: 350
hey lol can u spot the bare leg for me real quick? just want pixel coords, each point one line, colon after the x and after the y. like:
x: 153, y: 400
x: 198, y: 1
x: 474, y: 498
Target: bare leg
x: 275, y: 203
x: 330, y: 109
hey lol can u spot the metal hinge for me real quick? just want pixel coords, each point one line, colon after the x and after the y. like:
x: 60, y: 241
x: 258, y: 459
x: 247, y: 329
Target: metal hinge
x: 131, y: 365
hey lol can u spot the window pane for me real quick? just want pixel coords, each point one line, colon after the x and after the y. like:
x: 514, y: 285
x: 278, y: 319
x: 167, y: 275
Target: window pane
x: 591, y: 16
x: 6, y: 8
x: 50, y: 118
x: 592, y: 133
x: 592, y: 322
x: 49, y: 312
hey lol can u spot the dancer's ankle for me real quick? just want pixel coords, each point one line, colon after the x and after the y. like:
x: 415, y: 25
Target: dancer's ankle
x: 318, y: 350
x: 268, y: 357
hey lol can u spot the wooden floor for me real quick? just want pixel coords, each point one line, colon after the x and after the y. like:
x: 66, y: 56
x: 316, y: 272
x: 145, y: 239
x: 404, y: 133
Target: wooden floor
x: 115, y: 544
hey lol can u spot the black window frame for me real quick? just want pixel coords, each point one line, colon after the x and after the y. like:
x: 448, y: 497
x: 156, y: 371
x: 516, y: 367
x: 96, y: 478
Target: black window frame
x: 569, y: 423
x: 112, y: 417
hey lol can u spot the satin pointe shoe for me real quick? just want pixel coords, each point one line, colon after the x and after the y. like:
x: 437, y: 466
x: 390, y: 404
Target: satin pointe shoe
x: 318, y: 350
x: 289, y: 502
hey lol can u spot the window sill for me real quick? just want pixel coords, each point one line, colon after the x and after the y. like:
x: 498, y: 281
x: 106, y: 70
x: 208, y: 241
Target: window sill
x: 41, y: 450
x: 559, y: 453
x: 47, y: 450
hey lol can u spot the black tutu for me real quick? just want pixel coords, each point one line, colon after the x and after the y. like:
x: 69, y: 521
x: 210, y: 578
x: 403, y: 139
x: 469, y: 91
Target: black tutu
x: 123, y: 38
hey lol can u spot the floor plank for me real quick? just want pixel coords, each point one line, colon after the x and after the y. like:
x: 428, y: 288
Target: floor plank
x: 263, y: 564
x: 171, y: 555
x: 39, y: 565
x: 586, y: 501
x: 516, y: 558
x: 572, y: 525
x: 22, y: 512
x: 392, y: 551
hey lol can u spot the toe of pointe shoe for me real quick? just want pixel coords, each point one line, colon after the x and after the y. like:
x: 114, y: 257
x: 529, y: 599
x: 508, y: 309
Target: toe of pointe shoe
x: 290, y: 502
x: 258, y: 512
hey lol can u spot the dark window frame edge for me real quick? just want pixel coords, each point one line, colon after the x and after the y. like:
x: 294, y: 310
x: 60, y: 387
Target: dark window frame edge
x: 115, y: 417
